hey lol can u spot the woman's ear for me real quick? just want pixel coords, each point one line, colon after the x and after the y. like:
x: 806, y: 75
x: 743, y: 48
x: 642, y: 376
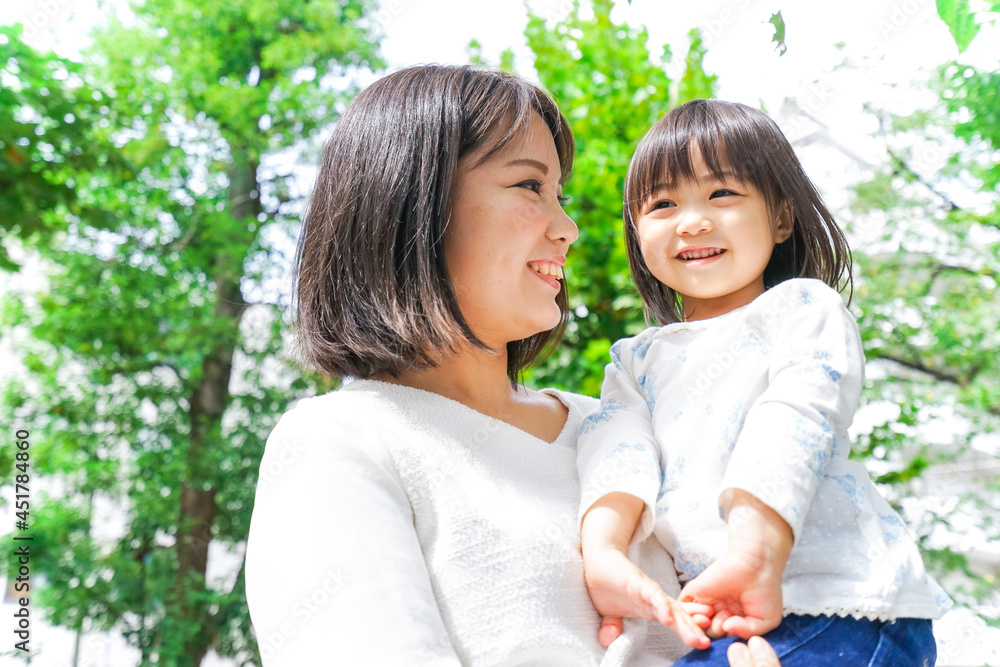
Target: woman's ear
x: 783, y: 223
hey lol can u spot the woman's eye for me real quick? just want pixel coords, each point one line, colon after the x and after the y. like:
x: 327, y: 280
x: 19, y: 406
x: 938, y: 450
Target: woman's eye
x: 564, y: 199
x: 534, y: 186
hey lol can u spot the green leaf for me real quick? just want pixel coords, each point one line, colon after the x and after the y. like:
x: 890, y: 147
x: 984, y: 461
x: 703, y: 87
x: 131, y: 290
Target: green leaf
x: 960, y: 20
x: 779, y: 32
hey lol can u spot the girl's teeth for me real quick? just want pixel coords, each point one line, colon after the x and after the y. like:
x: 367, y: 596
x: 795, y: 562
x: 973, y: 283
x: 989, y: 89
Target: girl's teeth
x: 701, y: 255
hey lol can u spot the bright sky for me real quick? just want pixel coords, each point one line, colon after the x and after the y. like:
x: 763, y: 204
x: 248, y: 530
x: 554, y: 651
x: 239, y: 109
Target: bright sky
x: 864, y: 51
x: 874, y: 52
x: 840, y: 57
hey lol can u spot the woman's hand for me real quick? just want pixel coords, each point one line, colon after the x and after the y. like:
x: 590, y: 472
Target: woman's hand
x: 755, y: 653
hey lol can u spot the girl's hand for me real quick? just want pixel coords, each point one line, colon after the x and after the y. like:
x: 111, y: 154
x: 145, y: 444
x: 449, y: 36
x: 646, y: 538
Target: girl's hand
x: 743, y: 587
x: 619, y: 589
x: 744, y: 592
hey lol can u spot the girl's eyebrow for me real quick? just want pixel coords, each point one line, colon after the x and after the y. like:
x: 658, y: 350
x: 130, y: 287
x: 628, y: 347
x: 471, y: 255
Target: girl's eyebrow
x: 707, y: 176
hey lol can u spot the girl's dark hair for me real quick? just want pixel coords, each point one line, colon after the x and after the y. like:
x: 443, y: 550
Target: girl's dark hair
x: 734, y: 138
x: 372, y: 292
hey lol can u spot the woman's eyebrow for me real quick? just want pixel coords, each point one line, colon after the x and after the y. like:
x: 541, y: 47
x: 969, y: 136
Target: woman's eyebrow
x: 541, y: 166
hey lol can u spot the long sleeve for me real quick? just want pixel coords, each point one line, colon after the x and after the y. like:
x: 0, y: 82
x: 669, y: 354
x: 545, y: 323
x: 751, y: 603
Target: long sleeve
x: 335, y: 573
x: 814, y: 383
x: 617, y: 451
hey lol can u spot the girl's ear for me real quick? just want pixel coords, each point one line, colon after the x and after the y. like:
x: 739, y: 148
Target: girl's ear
x: 782, y: 227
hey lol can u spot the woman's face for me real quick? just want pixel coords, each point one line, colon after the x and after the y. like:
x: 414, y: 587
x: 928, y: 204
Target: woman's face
x: 507, y: 238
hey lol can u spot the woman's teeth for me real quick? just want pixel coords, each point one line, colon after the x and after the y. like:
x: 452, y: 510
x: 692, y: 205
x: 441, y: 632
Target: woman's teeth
x: 702, y: 254
x: 547, y: 269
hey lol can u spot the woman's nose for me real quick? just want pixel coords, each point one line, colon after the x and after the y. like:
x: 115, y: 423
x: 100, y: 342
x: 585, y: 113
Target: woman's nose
x: 562, y: 228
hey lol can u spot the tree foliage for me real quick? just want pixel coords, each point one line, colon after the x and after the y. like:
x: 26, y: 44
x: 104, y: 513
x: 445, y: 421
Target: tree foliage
x: 142, y: 178
x: 52, y: 133
x: 926, y: 289
x: 153, y: 355
x: 927, y: 294
x: 612, y: 89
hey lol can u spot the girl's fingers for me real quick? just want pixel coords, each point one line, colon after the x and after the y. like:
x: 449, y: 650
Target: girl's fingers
x: 693, y: 608
x: 611, y: 629
x: 662, y: 604
x: 715, y: 630
x: 701, y: 620
x: 739, y: 626
x: 688, y: 629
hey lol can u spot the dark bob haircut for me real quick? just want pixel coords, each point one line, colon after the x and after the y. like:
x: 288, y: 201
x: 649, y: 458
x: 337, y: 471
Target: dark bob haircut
x: 734, y: 138
x: 372, y: 293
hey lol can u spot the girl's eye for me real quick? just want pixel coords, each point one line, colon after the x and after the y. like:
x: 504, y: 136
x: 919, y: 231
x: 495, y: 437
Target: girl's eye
x: 722, y: 192
x: 662, y: 203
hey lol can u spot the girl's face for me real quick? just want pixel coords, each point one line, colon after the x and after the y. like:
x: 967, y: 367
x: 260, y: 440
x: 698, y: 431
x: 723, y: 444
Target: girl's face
x: 506, y: 241
x: 709, y: 240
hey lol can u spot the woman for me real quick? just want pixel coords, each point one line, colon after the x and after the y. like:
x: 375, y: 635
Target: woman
x: 425, y: 514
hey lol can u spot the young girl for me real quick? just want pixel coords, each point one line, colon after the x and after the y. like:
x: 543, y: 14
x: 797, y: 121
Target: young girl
x: 724, y: 431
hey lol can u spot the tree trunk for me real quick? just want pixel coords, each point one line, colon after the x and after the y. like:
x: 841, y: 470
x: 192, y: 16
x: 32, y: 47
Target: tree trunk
x: 207, y: 406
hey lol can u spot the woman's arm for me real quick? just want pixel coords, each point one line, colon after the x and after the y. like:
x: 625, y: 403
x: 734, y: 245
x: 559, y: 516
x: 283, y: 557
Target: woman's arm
x: 335, y: 574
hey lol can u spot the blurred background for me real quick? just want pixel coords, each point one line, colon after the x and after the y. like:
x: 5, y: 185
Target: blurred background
x: 154, y: 161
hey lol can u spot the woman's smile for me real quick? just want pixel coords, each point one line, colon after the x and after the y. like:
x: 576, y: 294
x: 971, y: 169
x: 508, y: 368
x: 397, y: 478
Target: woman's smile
x: 549, y: 270
x: 507, y: 219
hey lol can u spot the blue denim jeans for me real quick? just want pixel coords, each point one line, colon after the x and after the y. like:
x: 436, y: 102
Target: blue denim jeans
x: 816, y: 641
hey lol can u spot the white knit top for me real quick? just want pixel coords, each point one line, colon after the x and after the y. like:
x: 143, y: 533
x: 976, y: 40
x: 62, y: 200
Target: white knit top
x: 758, y: 399
x: 393, y: 526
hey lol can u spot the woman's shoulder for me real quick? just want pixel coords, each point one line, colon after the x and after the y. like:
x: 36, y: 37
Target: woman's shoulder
x: 328, y: 408
x: 575, y: 402
x: 341, y: 423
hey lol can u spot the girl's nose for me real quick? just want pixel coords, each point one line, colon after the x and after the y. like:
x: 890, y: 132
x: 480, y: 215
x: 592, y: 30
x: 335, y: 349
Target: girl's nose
x: 694, y: 222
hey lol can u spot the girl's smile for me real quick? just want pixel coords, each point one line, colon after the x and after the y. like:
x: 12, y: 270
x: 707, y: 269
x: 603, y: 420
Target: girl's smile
x: 710, y: 239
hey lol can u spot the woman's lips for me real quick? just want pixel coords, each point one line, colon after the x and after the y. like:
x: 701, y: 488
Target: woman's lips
x: 547, y: 268
x: 550, y: 272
